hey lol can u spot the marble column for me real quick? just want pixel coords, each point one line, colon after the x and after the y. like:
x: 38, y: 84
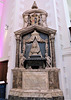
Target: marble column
x: 17, y: 50
x: 52, y: 49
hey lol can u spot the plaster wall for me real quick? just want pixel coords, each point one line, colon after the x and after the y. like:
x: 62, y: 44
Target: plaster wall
x: 66, y: 55
x: 69, y: 7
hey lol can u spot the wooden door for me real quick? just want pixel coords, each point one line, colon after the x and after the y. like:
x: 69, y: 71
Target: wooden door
x: 3, y: 70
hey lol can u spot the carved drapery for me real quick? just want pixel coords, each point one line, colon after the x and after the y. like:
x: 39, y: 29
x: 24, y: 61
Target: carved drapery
x: 34, y: 37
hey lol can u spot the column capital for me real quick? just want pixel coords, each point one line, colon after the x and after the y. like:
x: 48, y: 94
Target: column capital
x: 17, y: 37
x: 52, y: 36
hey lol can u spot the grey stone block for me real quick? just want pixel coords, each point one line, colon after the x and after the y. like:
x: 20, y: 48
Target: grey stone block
x: 33, y: 98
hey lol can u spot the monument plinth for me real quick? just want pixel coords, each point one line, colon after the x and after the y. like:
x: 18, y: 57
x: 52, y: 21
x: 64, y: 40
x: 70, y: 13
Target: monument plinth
x: 36, y: 84
x: 35, y: 76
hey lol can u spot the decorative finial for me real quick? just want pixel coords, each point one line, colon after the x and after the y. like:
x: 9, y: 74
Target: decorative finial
x: 34, y: 6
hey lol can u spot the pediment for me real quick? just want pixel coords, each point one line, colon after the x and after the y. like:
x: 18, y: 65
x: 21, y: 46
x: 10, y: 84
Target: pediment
x: 45, y: 30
